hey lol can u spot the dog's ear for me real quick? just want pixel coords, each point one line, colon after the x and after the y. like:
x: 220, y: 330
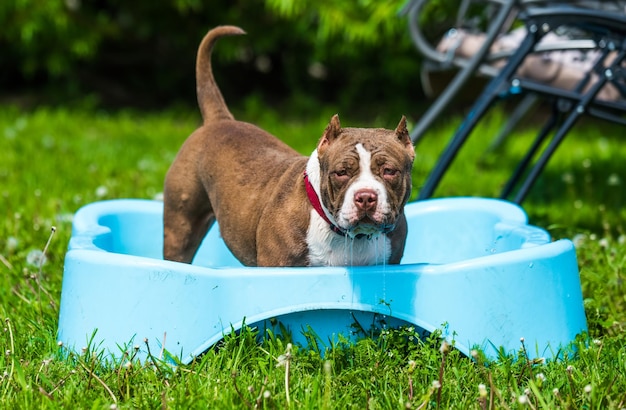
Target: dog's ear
x: 403, y: 135
x: 330, y: 133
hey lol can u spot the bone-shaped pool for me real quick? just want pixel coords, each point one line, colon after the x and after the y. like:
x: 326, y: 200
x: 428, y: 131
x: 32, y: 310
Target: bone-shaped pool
x: 473, y: 268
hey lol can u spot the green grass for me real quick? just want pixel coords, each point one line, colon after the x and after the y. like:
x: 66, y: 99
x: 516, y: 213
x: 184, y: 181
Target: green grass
x: 55, y: 160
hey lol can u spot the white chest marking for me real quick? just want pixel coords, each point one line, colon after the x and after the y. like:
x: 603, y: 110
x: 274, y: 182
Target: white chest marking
x: 326, y: 248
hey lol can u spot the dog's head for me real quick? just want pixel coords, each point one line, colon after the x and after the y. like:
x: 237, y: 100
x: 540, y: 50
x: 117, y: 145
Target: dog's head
x: 364, y: 176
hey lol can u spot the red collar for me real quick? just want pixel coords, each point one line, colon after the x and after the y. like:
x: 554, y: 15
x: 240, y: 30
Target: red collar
x: 317, y: 205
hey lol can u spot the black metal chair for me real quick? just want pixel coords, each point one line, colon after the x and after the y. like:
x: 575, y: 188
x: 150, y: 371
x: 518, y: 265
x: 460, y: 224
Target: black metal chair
x: 600, y: 30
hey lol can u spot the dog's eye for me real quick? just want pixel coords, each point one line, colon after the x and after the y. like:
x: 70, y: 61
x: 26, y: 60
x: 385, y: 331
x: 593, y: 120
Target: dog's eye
x: 390, y: 172
x: 341, y: 175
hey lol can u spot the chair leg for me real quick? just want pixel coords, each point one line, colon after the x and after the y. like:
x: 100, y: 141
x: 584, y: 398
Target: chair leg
x: 569, y: 122
x: 545, y: 156
x: 455, y: 145
x: 527, y: 103
x: 523, y: 164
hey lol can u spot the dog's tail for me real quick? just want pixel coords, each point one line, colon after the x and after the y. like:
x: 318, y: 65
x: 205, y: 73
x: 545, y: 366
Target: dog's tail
x: 210, y: 100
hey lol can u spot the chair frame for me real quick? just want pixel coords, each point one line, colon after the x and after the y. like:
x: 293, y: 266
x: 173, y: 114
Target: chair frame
x: 609, y: 36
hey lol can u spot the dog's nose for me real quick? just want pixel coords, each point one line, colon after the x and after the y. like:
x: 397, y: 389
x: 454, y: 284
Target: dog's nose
x: 366, y: 199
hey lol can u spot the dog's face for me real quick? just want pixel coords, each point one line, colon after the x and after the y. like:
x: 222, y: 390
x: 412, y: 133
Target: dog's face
x: 365, y: 176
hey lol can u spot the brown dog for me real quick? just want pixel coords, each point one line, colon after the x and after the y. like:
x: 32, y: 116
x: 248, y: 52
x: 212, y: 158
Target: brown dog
x: 344, y: 205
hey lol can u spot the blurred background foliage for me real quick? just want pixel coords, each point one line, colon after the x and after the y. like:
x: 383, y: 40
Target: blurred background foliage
x: 141, y: 53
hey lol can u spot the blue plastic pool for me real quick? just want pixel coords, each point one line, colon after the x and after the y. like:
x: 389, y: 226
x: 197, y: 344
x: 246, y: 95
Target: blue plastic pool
x: 473, y: 268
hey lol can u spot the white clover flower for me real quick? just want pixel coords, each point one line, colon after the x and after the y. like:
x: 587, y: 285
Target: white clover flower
x: 12, y: 243
x: 579, y: 239
x: 522, y: 399
x: 267, y: 394
x: 587, y: 389
x: 283, y: 359
x: 146, y: 164
x: 36, y: 257
x: 540, y: 377
x: 436, y: 384
x: 66, y: 217
x: 102, y: 191
x: 482, y: 390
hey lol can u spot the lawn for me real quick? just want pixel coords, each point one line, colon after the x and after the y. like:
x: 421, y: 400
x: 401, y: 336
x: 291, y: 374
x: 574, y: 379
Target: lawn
x: 55, y: 160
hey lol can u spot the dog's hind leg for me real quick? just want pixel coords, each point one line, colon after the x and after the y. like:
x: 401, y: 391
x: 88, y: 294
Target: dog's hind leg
x: 187, y: 216
x: 182, y: 234
x: 183, y: 231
